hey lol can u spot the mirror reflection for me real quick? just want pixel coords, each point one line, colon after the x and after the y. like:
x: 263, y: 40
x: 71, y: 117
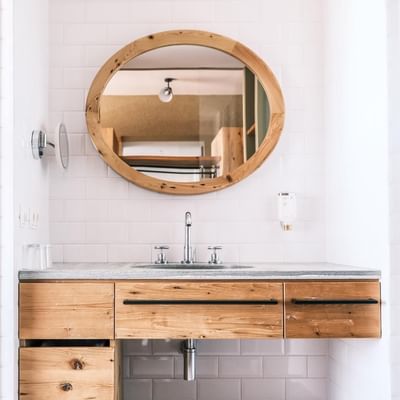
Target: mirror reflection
x: 184, y: 113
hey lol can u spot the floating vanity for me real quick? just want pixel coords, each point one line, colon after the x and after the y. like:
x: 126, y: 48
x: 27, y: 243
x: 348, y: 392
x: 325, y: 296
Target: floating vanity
x: 72, y: 317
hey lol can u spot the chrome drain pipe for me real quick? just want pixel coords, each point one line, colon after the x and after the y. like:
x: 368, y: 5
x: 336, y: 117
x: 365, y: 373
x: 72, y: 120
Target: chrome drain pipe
x: 189, y: 360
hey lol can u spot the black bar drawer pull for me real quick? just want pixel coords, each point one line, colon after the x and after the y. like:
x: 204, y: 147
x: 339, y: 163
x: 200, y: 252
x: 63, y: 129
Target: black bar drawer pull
x: 204, y: 302
x: 330, y: 301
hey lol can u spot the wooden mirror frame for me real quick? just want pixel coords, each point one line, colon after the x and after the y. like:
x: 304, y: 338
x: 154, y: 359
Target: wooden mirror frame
x: 186, y: 37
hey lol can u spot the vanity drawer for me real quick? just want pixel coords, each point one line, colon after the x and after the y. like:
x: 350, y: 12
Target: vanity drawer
x: 212, y: 310
x: 73, y: 373
x: 332, y: 310
x: 58, y: 310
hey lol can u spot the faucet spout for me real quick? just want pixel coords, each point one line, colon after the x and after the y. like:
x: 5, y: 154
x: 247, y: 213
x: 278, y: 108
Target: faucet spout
x: 188, y: 219
x: 187, y: 249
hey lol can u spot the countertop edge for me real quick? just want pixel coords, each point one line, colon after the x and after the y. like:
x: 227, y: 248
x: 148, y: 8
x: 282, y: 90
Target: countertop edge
x: 168, y: 275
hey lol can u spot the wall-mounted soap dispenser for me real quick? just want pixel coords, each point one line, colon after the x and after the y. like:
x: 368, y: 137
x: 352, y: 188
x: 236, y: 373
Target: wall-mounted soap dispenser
x: 287, y: 210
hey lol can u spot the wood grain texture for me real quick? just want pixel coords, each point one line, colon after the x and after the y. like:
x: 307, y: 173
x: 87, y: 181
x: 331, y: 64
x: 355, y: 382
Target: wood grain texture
x: 197, y: 290
x: 182, y: 37
x: 50, y: 373
x: 111, y: 139
x: 118, y: 368
x: 172, y: 161
x: 199, y: 321
x: 228, y: 145
x: 66, y: 310
x: 195, y: 320
x: 332, y: 320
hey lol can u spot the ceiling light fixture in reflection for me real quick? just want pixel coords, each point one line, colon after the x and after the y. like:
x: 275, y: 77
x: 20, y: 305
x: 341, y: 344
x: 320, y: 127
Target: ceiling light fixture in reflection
x: 166, y: 93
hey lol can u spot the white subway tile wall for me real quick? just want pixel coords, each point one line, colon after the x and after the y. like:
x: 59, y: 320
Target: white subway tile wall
x: 97, y: 216
x: 153, y: 369
x: 91, y: 205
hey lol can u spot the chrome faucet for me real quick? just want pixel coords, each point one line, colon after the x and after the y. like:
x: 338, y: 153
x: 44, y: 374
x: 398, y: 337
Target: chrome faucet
x: 187, y: 249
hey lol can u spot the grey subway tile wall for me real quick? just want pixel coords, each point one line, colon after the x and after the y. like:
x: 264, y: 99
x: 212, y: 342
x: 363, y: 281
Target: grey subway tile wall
x: 153, y: 369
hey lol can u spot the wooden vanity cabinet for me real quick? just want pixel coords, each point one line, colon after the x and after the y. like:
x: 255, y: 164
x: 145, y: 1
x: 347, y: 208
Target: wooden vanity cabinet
x: 66, y: 310
x: 199, y: 310
x: 348, y: 309
x: 66, y: 352
x: 67, y: 328
x: 73, y: 373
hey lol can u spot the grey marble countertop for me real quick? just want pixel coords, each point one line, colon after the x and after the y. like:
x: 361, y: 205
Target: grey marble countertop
x: 274, y: 271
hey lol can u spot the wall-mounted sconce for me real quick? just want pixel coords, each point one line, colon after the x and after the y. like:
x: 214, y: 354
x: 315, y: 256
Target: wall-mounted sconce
x: 166, y: 93
x: 287, y: 210
x: 40, y: 142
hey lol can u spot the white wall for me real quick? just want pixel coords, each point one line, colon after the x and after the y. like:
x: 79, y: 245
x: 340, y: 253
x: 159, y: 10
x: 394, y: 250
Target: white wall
x: 7, y: 305
x: 31, y: 71
x: 24, y: 181
x: 394, y: 185
x: 98, y: 216
x: 2, y: 102
x: 357, y: 226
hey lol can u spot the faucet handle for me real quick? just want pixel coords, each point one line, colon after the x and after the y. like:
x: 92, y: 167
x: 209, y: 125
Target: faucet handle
x: 161, y: 256
x: 214, y: 257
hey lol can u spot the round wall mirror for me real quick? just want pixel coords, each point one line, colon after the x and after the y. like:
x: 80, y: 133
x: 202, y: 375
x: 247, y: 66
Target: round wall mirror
x: 185, y: 112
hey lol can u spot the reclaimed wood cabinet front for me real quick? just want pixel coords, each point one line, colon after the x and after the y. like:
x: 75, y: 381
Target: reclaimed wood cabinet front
x: 73, y: 373
x: 66, y: 310
x: 332, y: 310
x: 198, y: 310
x: 65, y: 313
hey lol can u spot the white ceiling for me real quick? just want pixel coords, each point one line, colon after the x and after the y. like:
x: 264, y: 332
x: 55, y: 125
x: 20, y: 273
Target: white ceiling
x: 184, y: 56
x: 198, y: 70
x: 188, y: 82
